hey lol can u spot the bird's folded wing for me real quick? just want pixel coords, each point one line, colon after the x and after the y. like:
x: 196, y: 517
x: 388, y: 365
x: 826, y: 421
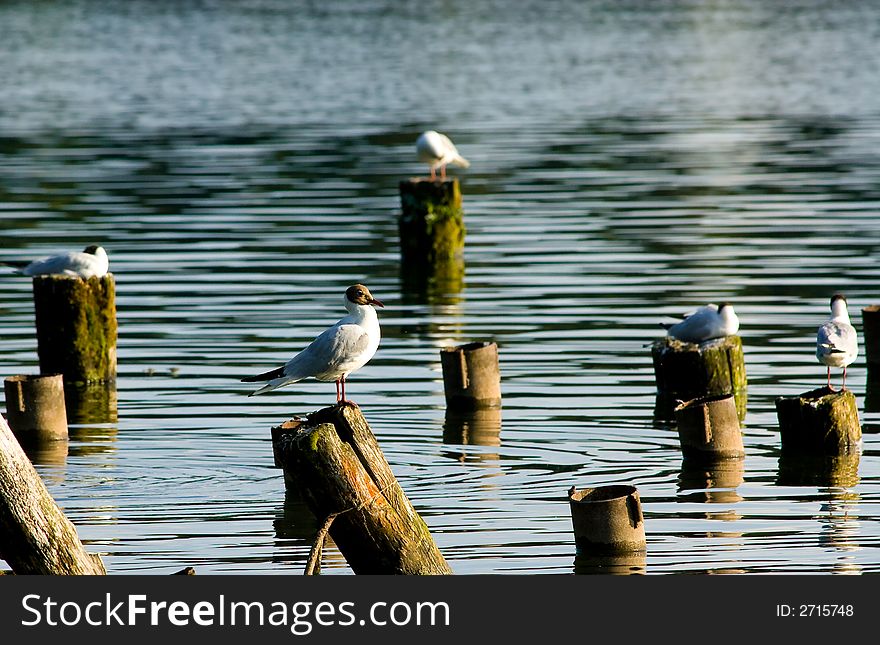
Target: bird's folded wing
x: 332, y: 349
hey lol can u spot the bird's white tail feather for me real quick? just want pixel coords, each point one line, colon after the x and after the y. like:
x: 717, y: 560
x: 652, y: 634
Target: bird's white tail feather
x: 274, y: 384
x: 461, y: 162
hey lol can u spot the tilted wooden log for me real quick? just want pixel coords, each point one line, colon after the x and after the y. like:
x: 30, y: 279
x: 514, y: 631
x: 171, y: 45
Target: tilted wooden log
x: 822, y: 421
x: 335, y: 462
x: 36, y: 536
x: 76, y: 327
x: 686, y: 371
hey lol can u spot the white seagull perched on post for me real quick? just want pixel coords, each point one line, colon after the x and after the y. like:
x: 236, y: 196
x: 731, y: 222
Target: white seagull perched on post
x: 340, y: 350
x: 93, y: 261
x: 710, y: 321
x: 438, y: 151
x: 837, y: 344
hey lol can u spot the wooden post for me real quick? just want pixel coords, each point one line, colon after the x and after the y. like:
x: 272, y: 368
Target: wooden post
x: 76, y: 327
x: 35, y: 535
x: 335, y: 462
x: 822, y: 422
x: 607, y: 520
x: 686, y: 371
x: 432, y: 231
x: 871, y: 331
x: 35, y: 407
x: 708, y: 427
x: 471, y: 376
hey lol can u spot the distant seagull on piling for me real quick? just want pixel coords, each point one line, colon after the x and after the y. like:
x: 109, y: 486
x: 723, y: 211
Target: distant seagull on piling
x: 93, y: 261
x: 438, y: 151
x: 710, y: 321
x: 837, y: 344
x: 340, y: 350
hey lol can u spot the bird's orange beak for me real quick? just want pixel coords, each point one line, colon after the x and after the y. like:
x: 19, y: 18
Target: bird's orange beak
x: 377, y: 303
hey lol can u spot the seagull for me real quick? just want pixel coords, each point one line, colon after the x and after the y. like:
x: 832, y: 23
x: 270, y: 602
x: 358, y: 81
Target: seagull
x: 340, y: 350
x: 710, y: 321
x: 836, y: 342
x: 437, y: 150
x: 92, y: 261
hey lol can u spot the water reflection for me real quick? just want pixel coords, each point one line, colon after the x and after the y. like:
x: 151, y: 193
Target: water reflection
x: 618, y: 565
x: 840, y: 471
x: 714, y: 481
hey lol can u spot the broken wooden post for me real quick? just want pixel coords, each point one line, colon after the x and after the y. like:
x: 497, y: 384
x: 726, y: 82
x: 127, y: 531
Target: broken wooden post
x: 708, y: 427
x: 471, y: 376
x: 686, y: 371
x: 35, y: 535
x: 432, y: 231
x: 822, y: 421
x: 35, y: 407
x: 76, y: 327
x: 607, y: 520
x: 871, y: 331
x: 335, y: 462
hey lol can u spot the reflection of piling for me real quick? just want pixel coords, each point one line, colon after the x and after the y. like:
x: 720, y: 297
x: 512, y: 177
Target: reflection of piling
x: 35, y: 535
x: 708, y: 427
x: 471, y: 376
x: 76, y: 327
x: 686, y: 371
x: 480, y: 427
x: 35, y: 408
x: 334, y: 461
x: 713, y: 482
x: 607, y: 520
x: 837, y: 471
x: 431, y: 234
x: 822, y: 421
x: 626, y: 564
x: 91, y: 403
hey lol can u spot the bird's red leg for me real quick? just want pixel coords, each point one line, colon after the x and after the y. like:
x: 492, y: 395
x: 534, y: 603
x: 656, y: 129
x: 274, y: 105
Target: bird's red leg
x: 829, y: 377
x: 844, y: 377
x: 337, y: 390
x: 443, y: 171
x: 433, y: 173
x: 343, y: 389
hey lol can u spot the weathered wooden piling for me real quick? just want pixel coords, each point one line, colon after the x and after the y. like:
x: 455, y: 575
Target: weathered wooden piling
x: 335, y: 462
x: 35, y: 535
x: 685, y: 371
x: 871, y: 331
x: 471, y: 376
x: 35, y: 407
x: 822, y: 421
x: 76, y: 327
x: 708, y: 427
x: 432, y: 232
x: 607, y: 520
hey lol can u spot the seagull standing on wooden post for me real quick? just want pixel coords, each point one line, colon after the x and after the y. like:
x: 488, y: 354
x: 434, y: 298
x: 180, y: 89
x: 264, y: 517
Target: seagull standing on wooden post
x: 438, y: 151
x: 837, y: 344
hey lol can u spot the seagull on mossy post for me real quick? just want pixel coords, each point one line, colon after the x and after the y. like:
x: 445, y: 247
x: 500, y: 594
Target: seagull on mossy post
x: 339, y: 350
x: 710, y: 321
x: 837, y: 344
x: 438, y: 151
x: 93, y: 261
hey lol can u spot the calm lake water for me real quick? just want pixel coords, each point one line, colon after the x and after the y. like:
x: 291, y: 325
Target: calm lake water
x: 630, y: 160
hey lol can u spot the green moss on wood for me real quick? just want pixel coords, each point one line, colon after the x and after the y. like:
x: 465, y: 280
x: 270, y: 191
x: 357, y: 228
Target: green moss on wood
x: 76, y: 327
x: 431, y: 222
x: 822, y: 422
x: 686, y: 371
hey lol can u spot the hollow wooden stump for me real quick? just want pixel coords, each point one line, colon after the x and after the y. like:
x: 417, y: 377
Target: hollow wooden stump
x: 35, y: 407
x: 823, y: 421
x: 685, y: 371
x: 76, y: 327
x: 334, y: 461
x: 607, y: 520
x: 708, y: 427
x: 471, y: 376
x: 35, y: 535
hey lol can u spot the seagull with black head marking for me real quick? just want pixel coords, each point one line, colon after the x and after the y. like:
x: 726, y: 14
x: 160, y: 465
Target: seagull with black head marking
x: 93, y: 261
x: 837, y: 344
x: 339, y: 350
x: 710, y: 321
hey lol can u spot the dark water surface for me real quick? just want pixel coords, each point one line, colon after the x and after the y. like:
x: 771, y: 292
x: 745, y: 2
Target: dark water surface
x: 630, y: 160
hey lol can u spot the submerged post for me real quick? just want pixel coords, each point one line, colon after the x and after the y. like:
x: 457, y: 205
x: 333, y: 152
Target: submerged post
x: 335, y: 462
x: 36, y: 536
x: 76, y: 327
x: 686, y: 371
x: 35, y: 407
x: 819, y: 422
x: 432, y: 231
x: 471, y: 376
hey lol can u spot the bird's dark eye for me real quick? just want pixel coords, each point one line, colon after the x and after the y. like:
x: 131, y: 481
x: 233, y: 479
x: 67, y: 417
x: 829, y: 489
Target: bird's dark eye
x: 360, y: 293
